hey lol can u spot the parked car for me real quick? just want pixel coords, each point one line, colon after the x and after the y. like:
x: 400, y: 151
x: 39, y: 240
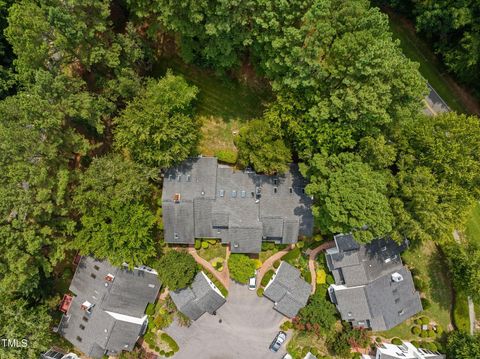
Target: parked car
x: 278, y: 341
x: 252, y: 282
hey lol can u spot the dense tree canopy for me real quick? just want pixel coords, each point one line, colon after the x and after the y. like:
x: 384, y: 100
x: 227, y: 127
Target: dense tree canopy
x: 319, y: 314
x: 461, y: 345
x: 157, y: 128
x: 176, y: 269
x: 349, y: 196
x: 116, y: 221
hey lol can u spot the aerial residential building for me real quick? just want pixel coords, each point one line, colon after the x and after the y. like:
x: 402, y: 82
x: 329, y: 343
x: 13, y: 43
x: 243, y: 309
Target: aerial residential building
x: 106, y: 314
x: 404, y: 351
x: 288, y: 290
x: 202, y: 199
x: 372, y: 289
x: 201, y: 297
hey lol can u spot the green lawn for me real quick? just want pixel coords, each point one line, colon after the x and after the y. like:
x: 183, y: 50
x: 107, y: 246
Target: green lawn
x: 223, y: 105
x: 216, y: 250
x: 430, y: 67
x: 432, y: 270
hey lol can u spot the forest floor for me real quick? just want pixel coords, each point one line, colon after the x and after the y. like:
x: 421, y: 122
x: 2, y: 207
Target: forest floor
x: 457, y: 97
x: 225, y: 101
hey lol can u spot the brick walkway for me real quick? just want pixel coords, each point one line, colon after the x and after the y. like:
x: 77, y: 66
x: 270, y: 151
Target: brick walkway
x: 311, y: 261
x: 269, y: 262
x: 223, y: 276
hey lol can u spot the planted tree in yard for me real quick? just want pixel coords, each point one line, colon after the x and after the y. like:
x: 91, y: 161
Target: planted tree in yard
x: 318, y: 315
x: 349, y: 196
x: 157, y: 128
x: 176, y: 270
x: 263, y: 147
x: 241, y: 267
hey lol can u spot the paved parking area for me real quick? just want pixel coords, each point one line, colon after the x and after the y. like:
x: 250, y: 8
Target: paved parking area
x: 248, y: 326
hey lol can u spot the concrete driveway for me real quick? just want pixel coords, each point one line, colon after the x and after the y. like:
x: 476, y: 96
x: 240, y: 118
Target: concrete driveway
x: 248, y: 326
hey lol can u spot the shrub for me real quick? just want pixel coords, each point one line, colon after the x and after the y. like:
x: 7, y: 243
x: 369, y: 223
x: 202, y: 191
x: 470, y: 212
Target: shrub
x: 198, y: 244
x: 378, y: 339
x: 424, y: 334
x: 266, y: 278
x: 227, y: 156
x: 169, y: 354
x: 241, y: 267
x: 418, y: 321
x: 211, y: 241
x: 419, y: 284
x: 321, y: 276
x: 430, y: 346
x: 150, y: 309
x: 415, y: 343
x: 170, y: 341
x: 307, y: 276
x: 260, y: 292
x: 317, y: 238
x: 276, y: 264
x: 258, y: 263
x: 426, y: 304
x: 292, y: 255
x: 416, y: 330
x: 286, y: 325
x: 425, y: 320
x: 439, y: 330
x: 162, y: 352
x: 396, y: 341
x: 300, y: 244
x: 431, y: 333
x: 204, y: 244
x: 267, y: 246
x: 330, y: 279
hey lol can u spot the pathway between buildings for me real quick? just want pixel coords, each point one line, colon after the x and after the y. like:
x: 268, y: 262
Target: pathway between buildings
x: 311, y: 261
x: 269, y: 262
x: 223, y: 276
x: 471, y: 314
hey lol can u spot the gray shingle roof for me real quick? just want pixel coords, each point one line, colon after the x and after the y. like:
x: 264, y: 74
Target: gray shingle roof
x: 117, y: 318
x: 365, y: 293
x: 200, y: 197
x: 199, y: 298
x: 288, y: 290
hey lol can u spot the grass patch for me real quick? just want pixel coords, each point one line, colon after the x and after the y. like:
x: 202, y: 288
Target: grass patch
x: 216, y: 250
x: 223, y: 104
x: 432, y: 270
x: 430, y: 67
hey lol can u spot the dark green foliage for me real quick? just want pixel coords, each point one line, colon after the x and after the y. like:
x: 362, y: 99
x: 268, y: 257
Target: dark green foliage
x: 266, y: 278
x: 262, y: 146
x: 227, y: 156
x: 349, y: 197
x: 425, y: 320
x: 241, y: 267
x: 341, y: 343
x: 266, y: 246
x: 176, y: 269
x: 396, y: 341
x: 157, y: 128
x: 260, y: 292
x: 461, y: 345
x: 150, y: 309
x: 426, y: 304
x: 276, y: 264
x: 198, y: 244
x: 307, y: 276
x: 416, y: 330
x: 318, y: 315
x: 330, y: 280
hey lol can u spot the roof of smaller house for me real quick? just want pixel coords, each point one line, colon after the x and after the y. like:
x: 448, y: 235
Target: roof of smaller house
x: 288, y: 290
x: 116, y: 319
x: 200, y: 297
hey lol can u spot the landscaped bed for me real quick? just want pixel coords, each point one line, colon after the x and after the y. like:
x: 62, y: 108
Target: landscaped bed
x: 210, y: 249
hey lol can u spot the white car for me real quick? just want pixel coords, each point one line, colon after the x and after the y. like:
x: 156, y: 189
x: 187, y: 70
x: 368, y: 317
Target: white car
x: 252, y: 282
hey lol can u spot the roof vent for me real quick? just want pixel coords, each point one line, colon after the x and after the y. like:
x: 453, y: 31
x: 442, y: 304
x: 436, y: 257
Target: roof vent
x: 87, y: 306
x: 387, y: 260
x: 177, y: 197
x: 109, y: 277
x: 235, y: 245
x: 397, y: 277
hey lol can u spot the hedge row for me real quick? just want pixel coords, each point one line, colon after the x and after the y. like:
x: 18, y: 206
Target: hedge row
x: 170, y: 341
x: 217, y: 283
x: 266, y: 278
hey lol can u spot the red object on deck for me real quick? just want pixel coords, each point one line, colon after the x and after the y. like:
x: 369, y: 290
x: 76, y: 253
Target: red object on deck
x: 77, y: 259
x: 65, y: 303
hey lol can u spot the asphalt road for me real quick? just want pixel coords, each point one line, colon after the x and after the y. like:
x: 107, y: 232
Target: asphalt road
x: 248, y: 326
